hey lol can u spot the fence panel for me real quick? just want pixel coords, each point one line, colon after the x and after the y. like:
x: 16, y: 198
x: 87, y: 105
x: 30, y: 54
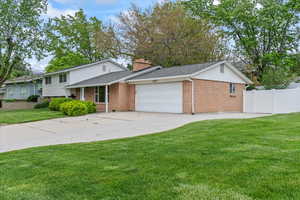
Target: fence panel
x: 272, y: 101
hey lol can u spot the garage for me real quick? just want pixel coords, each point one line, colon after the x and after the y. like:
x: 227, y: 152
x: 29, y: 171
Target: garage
x: 161, y: 97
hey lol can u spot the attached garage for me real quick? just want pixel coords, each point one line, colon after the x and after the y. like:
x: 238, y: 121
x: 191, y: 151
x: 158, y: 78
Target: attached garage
x: 160, y: 97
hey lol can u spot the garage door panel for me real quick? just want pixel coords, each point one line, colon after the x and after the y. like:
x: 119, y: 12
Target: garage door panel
x: 166, y: 97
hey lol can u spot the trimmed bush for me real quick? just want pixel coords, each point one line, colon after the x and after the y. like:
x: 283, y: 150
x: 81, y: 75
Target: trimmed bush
x: 44, y: 104
x: 9, y: 100
x: 91, y: 106
x: 33, y: 98
x: 74, y: 108
x: 56, y: 102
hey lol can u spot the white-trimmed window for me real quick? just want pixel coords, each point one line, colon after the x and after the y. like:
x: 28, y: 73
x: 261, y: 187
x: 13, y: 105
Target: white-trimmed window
x: 100, y: 94
x: 232, y: 88
x: 63, y: 78
x: 48, y: 80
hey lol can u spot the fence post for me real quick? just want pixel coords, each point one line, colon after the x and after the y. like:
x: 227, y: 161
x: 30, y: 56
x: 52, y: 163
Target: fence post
x: 254, y: 101
x: 273, y: 101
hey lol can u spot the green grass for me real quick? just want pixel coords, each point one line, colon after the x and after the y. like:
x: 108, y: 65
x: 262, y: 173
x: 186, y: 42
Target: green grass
x: 210, y: 160
x: 21, y: 116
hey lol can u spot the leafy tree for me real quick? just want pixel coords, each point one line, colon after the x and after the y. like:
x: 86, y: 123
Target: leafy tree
x: 21, y: 34
x: 167, y: 35
x: 63, y: 62
x: 80, y: 36
x: 263, y: 31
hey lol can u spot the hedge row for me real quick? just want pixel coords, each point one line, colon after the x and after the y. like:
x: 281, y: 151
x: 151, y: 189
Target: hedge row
x: 69, y: 106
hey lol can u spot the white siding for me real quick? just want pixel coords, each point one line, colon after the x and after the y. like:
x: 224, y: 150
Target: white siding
x: 92, y: 71
x: 163, y: 97
x: 215, y: 74
x: 56, y: 89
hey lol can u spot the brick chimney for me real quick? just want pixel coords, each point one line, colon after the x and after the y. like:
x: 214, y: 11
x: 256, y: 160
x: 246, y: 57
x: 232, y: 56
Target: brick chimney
x: 139, y: 64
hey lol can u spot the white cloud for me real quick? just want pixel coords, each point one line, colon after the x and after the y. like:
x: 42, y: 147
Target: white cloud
x: 54, y: 12
x: 106, y: 1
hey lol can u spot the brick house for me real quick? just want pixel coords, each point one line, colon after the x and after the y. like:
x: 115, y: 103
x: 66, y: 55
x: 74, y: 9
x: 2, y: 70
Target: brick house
x: 197, y: 88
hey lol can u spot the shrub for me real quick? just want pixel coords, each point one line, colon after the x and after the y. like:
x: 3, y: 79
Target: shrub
x: 9, y: 100
x: 74, y: 108
x: 91, y: 106
x: 44, y: 104
x: 33, y: 98
x: 56, y: 102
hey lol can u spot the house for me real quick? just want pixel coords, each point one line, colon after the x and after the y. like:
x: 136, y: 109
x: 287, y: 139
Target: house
x: 22, y: 87
x: 197, y: 88
x: 54, y: 84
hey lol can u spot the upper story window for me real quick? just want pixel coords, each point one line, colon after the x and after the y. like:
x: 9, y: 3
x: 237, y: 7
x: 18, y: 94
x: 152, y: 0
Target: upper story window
x: 222, y: 68
x: 63, y: 78
x: 232, y: 88
x: 48, y: 80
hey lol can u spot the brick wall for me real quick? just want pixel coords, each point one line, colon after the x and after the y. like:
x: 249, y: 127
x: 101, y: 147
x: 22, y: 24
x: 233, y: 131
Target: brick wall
x: 214, y: 96
x: 17, y: 105
x: 187, y: 97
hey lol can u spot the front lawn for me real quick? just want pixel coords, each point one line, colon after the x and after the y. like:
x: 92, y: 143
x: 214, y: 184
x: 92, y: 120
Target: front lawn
x: 21, y: 116
x: 210, y: 160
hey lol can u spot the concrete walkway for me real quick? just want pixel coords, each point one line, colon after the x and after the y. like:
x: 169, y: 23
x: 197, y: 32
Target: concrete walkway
x: 96, y: 127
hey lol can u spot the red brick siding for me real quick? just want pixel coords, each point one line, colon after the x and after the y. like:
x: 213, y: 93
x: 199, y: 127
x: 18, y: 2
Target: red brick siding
x: 214, y: 96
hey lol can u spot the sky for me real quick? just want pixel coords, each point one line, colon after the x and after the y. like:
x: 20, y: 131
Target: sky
x: 105, y: 10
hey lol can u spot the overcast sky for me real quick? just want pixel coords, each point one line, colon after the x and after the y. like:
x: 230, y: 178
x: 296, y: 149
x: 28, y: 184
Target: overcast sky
x: 105, y: 10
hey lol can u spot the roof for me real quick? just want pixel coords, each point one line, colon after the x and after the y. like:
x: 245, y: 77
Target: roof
x: 24, y: 79
x: 88, y: 65
x: 103, y: 79
x: 175, y: 71
x: 110, y: 78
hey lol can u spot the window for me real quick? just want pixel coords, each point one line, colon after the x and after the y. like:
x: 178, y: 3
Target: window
x: 23, y: 91
x: 100, y: 94
x: 48, y: 80
x: 222, y: 66
x: 63, y: 78
x: 232, y: 88
x: 104, y: 68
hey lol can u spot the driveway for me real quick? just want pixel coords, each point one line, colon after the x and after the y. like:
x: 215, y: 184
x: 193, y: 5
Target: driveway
x: 96, y: 127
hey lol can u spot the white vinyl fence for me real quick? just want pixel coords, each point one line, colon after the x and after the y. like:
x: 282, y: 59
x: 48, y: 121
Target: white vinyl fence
x: 272, y: 101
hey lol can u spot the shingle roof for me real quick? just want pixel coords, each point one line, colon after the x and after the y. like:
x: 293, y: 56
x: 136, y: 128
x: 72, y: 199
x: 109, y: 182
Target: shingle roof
x: 23, y: 79
x: 103, y: 79
x: 175, y: 71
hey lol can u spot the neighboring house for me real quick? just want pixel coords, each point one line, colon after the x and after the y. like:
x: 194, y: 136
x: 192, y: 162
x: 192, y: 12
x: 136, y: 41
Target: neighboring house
x: 54, y: 84
x: 208, y: 87
x: 2, y: 92
x: 22, y: 87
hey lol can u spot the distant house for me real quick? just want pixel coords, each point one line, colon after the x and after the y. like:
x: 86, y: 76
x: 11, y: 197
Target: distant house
x: 22, y: 87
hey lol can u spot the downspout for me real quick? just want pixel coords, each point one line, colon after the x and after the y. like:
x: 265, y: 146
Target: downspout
x: 193, y: 96
x: 106, y: 98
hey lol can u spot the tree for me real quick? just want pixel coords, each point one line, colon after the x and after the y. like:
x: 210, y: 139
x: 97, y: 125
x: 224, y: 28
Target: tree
x: 78, y: 35
x: 63, y: 62
x: 21, y: 34
x: 167, y: 35
x: 263, y: 31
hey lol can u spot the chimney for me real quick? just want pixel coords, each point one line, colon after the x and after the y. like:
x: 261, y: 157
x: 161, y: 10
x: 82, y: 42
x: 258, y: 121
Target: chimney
x: 139, y: 64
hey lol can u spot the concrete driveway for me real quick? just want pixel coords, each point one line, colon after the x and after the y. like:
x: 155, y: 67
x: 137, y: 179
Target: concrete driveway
x: 96, y: 127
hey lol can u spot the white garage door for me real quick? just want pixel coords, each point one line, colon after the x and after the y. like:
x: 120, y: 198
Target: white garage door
x: 163, y: 97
